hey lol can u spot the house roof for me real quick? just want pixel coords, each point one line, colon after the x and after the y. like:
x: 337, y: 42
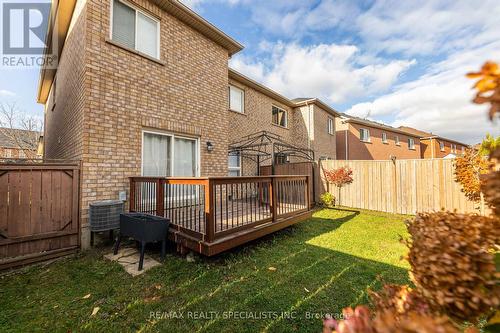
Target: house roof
x: 304, y: 101
x: 189, y: 17
x: 429, y: 135
x: 293, y: 103
x: 8, y: 135
x: 370, y: 123
x: 62, y: 12
x: 237, y: 76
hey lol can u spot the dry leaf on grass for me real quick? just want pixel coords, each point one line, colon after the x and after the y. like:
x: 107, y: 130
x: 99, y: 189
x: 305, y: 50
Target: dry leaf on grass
x: 272, y: 269
x: 86, y: 296
x: 94, y: 312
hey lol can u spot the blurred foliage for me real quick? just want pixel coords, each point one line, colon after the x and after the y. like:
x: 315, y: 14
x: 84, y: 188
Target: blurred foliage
x: 488, y: 87
x: 468, y: 171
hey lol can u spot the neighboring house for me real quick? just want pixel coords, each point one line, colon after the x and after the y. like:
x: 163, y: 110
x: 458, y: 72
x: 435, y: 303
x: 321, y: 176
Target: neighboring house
x: 18, y: 144
x: 361, y: 139
x: 435, y: 146
x: 143, y: 87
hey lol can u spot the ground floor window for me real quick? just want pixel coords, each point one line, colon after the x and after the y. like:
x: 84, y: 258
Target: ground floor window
x: 234, y: 165
x: 168, y: 155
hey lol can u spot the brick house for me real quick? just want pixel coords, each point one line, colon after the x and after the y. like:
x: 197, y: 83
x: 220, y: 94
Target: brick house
x: 143, y: 87
x: 435, y: 146
x: 361, y: 139
x: 18, y: 143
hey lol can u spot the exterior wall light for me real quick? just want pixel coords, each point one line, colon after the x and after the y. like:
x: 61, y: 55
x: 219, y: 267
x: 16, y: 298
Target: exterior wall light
x: 210, y: 146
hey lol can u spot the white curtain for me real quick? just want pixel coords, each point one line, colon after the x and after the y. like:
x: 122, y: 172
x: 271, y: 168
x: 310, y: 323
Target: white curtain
x: 147, y: 35
x: 156, y: 159
x: 184, y: 158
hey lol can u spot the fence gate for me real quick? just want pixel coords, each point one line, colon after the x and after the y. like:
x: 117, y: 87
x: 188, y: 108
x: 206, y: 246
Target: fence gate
x: 296, y: 169
x: 39, y: 212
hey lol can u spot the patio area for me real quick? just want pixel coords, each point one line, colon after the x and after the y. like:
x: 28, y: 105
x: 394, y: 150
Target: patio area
x: 211, y: 215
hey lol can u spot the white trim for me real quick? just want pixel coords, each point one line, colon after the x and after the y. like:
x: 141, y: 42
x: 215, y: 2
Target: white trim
x: 238, y: 168
x: 172, y: 150
x: 282, y: 109
x: 136, y: 9
x: 361, y: 129
x: 242, y: 106
x: 331, y: 130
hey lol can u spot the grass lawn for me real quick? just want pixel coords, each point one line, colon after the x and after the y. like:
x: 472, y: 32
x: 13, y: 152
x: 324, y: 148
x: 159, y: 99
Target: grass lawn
x: 322, y: 265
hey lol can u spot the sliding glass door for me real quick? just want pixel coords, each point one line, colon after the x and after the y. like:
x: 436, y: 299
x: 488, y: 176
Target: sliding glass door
x: 165, y: 155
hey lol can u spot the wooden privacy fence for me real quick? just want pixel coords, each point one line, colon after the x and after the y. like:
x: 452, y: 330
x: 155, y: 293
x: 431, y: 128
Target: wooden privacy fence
x: 401, y: 186
x: 298, y: 169
x: 39, y: 212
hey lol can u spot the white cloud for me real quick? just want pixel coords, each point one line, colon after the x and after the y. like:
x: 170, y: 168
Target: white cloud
x: 439, y: 101
x: 329, y: 71
x: 6, y: 93
x: 428, y: 27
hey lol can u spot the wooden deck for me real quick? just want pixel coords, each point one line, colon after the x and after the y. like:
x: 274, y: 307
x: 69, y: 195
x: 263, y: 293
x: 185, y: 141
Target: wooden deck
x: 211, y: 215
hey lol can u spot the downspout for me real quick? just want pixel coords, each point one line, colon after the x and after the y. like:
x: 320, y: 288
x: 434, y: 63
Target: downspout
x: 346, y: 143
x: 309, y: 124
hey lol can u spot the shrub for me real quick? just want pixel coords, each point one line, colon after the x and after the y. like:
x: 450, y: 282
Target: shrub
x: 399, y: 299
x: 360, y: 320
x: 452, y: 262
x: 339, y: 177
x: 468, y: 171
x: 491, y: 183
x: 327, y: 199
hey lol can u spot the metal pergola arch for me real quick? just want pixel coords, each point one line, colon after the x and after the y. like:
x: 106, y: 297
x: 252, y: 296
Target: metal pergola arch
x: 263, y: 146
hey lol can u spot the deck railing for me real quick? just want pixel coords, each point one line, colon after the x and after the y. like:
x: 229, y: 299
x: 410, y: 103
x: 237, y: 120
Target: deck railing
x: 212, y: 208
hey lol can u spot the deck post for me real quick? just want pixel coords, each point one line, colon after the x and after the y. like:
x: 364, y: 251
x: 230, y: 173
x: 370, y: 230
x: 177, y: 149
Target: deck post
x: 273, y: 198
x: 132, y: 195
x: 209, y: 213
x: 160, y: 197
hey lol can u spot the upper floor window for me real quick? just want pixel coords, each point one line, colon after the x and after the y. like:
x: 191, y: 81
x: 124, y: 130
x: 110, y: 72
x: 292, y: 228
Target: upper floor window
x: 364, y: 135
x: 236, y: 99
x: 453, y: 148
x: 411, y: 143
x: 441, y: 146
x: 280, y: 117
x: 384, y: 137
x: 463, y: 150
x: 331, y: 126
x: 135, y: 29
x: 396, y: 139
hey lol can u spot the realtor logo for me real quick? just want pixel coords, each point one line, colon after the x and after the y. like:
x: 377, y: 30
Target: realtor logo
x: 24, y: 28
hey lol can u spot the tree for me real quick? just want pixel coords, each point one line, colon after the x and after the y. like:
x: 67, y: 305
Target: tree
x: 339, y: 177
x: 23, y: 130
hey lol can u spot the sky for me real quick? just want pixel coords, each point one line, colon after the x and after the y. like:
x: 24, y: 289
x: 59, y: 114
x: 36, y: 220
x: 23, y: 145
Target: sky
x: 398, y: 62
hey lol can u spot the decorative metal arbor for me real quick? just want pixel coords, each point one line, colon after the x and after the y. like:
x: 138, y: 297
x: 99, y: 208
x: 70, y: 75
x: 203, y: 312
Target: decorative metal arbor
x: 263, y: 146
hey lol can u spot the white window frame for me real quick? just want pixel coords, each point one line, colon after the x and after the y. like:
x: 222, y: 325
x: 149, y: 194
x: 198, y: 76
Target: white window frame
x: 397, y: 141
x: 368, y: 139
x: 242, y: 98
x: 238, y: 168
x: 463, y: 150
x: 286, y: 116
x: 441, y: 146
x: 137, y: 10
x: 331, y: 126
x: 384, y: 137
x: 412, y: 145
x: 172, y: 151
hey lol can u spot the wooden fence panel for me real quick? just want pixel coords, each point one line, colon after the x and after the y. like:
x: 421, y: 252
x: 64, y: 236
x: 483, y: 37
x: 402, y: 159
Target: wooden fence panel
x: 402, y: 186
x: 39, y: 212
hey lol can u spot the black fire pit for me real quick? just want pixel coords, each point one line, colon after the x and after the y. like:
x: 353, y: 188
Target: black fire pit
x: 144, y: 228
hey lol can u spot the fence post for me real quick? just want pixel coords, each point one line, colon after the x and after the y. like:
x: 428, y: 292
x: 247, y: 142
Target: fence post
x: 273, y: 202
x: 209, y: 212
x: 160, y: 197
x: 308, y: 192
x: 132, y: 195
